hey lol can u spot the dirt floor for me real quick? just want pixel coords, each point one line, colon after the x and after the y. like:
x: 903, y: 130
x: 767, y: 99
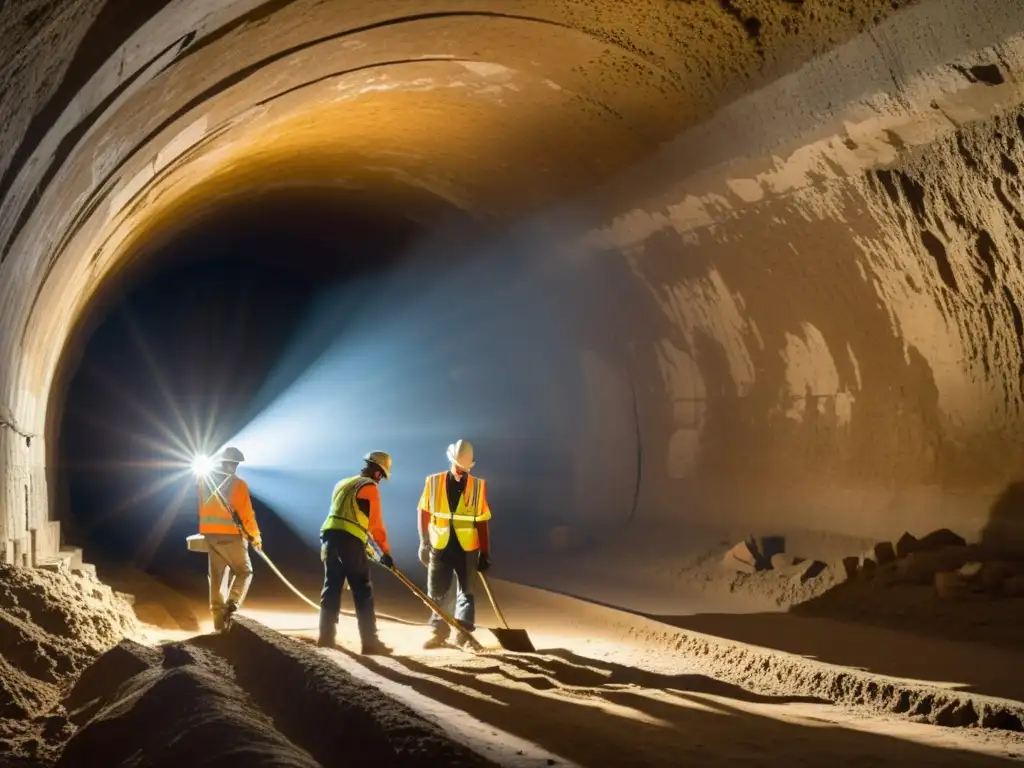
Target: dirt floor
x: 606, y: 687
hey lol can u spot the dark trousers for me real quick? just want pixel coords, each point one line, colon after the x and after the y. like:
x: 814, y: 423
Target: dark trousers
x: 344, y: 558
x: 452, y: 564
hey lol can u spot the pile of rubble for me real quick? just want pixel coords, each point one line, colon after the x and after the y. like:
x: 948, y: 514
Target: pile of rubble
x: 938, y: 585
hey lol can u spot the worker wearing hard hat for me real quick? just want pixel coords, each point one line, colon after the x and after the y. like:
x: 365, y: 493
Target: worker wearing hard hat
x: 354, y: 517
x: 228, y: 524
x: 454, y: 501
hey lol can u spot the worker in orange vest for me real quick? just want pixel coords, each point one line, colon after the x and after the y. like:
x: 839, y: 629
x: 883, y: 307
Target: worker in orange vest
x: 454, y: 501
x: 228, y: 523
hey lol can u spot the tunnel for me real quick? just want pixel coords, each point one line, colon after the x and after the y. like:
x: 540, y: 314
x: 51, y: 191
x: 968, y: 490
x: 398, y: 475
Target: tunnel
x: 705, y: 282
x: 774, y: 244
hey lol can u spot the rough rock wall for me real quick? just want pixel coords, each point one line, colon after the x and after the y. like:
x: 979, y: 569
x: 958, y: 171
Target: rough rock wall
x: 847, y: 343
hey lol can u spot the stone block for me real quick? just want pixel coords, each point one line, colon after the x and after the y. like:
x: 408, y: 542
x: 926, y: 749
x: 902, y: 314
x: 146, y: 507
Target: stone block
x: 906, y: 545
x: 883, y: 553
x: 850, y: 566
x: 940, y: 539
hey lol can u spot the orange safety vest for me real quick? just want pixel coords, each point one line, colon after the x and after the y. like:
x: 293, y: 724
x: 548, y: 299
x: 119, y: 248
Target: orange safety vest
x: 473, y: 508
x: 214, y: 517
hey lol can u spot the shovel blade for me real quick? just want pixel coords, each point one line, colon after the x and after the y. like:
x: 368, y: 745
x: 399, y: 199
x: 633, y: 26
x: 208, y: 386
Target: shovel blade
x: 515, y: 640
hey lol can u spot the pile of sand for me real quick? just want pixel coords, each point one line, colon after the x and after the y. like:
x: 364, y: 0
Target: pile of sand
x: 52, y: 626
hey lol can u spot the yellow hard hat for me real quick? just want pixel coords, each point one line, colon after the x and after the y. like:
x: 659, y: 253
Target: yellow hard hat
x: 382, y: 460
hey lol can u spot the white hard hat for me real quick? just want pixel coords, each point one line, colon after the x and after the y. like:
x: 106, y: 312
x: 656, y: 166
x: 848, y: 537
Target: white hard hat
x: 382, y: 460
x: 231, y: 454
x: 460, y: 453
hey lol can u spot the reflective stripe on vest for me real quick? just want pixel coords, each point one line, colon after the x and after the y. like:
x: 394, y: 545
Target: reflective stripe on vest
x: 215, y: 509
x: 463, y: 517
x: 345, y: 514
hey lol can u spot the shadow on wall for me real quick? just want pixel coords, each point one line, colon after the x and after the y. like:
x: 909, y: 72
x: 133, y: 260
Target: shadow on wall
x: 1004, y: 531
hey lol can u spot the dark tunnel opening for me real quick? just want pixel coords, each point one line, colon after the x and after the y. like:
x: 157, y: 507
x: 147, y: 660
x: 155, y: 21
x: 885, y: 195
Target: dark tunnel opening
x: 310, y: 330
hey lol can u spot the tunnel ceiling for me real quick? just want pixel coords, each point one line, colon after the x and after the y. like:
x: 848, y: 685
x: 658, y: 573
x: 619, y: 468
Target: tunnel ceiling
x: 497, y: 109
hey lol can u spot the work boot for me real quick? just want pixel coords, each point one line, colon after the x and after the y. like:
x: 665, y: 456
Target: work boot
x: 328, y: 631
x: 376, y: 647
x: 229, y: 612
x: 436, y: 640
x: 218, y: 620
x: 464, y: 640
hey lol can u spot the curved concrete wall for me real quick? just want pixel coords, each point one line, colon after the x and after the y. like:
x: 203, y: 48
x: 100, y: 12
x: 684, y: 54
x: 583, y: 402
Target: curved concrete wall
x: 812, y: 210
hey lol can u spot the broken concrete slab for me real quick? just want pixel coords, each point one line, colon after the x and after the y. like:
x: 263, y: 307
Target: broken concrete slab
x: 743, y: 557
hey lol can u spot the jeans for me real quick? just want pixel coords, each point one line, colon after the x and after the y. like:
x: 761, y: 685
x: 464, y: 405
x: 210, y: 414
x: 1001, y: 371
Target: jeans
x: 344, y: 558
x: 446, y: 566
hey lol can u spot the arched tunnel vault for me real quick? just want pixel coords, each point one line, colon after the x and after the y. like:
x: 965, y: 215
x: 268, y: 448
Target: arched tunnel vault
x: 811, y: 350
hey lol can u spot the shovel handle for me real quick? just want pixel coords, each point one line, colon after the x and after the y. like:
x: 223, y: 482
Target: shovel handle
x: 494, y: 603
x: 434, y: 607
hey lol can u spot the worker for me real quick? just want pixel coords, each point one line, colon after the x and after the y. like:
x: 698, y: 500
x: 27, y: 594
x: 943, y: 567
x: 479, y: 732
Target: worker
x: 228, y: 524
x: 454, y: 500
x: 354, y: 517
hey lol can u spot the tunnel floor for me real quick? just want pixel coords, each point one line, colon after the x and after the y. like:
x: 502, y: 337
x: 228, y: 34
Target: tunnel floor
x: 605, y: 688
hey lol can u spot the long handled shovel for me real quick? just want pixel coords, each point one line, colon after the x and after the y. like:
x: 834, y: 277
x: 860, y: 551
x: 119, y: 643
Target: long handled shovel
x: 515, y: 640
x: 374, y: 555
x: 473, y: 642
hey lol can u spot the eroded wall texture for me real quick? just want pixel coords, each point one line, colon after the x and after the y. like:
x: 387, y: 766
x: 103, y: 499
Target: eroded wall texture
x: 812, y: 210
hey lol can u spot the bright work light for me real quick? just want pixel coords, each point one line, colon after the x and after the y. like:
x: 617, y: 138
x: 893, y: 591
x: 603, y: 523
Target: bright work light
x: 202, y: 466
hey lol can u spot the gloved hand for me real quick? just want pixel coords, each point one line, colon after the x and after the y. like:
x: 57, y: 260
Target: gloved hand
x: 258, y: 543
x: 424, y: 553
x: 484, y: 562
x: 387, y: 561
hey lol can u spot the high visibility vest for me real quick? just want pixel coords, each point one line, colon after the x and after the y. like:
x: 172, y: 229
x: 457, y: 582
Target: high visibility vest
x: 214, y: 516
x: 345, y: 514
x: 471, y: 509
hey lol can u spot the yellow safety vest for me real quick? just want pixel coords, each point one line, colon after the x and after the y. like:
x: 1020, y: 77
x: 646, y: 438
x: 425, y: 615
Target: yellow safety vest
x: 470, y: 511
x: 345, y: 514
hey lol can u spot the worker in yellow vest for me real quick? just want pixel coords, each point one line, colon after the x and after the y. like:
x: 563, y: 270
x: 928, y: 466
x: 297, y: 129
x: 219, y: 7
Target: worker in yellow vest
x: 355, y: 516
x: 228, y: 524
x: 454, y: 502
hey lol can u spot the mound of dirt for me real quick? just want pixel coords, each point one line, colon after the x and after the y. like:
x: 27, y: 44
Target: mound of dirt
x: 52, y: 625
x: 187, y: 710
x: 247, y: 698
x: 314, y: 701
